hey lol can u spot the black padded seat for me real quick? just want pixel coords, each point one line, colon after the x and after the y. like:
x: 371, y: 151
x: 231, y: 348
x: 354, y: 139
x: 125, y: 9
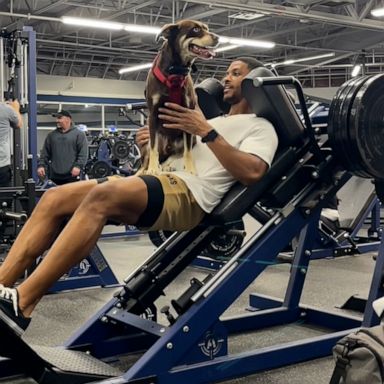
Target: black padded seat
x: 273, y: 104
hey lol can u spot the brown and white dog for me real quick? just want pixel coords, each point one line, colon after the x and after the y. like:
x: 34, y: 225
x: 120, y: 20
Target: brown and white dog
x: 169, y: 80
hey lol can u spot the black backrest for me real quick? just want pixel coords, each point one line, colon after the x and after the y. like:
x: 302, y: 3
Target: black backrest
x: 273, y: 103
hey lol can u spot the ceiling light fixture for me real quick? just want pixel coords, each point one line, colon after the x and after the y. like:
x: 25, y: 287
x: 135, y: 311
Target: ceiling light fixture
x: 246, y: 42
x: 226, y: 48
x: 142, y: 29
x: 135, y: 68
x: 356, y: 70
x: 93, y: 23
x: 246, y: 15
x: 378, y: 12
x: 292, y: 61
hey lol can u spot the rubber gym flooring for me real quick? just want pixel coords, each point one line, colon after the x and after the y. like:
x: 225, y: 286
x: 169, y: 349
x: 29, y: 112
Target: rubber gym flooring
x: 330, y: 282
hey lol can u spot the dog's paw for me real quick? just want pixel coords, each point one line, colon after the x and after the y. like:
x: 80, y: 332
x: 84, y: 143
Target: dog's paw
x: 168, y: 169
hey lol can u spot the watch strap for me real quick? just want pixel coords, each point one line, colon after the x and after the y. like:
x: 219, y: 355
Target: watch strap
x: 210, y: 136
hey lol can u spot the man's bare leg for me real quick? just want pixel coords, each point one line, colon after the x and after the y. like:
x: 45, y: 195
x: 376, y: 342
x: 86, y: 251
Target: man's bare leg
x: 123, y: 199
x: 41, y: 228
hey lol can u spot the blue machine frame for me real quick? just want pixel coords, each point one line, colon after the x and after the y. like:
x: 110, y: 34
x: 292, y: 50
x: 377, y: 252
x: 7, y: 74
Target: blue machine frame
x: 93, y: 271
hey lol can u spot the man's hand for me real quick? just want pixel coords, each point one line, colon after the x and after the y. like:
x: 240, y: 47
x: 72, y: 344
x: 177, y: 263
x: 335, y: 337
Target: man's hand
x: 75, y: 171
x: 15, y: 105
x: 189, y: 120
x: 142, y: 136
x: 41, y: 172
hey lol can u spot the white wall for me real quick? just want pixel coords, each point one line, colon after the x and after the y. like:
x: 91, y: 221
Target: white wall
x: 89, y: 87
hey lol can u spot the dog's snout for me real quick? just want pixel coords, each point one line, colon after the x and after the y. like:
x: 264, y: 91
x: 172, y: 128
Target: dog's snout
x: 215, y: 38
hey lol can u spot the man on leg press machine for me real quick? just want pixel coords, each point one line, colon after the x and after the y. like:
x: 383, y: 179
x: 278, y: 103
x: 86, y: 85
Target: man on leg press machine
x: 238, y: 146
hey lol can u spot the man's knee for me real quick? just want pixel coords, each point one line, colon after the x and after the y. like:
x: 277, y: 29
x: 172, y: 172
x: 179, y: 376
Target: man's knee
x: 51, y: 198
x: 97, y: 199
x: 114, y: 196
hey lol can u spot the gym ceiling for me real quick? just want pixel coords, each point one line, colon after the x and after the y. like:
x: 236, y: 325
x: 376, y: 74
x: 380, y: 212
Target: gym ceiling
x: 300, y: 29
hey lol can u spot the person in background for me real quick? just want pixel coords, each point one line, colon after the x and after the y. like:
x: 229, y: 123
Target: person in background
x: 10, y: 118
x: 64, y: 153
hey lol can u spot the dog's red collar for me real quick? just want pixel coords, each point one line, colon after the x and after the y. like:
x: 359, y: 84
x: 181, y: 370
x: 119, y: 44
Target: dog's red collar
x: 174, y: 83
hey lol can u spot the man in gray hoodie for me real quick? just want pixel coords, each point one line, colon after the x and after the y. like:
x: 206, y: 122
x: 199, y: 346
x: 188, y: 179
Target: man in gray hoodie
x: 64, y: 153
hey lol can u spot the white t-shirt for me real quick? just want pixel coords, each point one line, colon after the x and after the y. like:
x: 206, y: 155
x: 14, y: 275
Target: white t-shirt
x: 245, y: 132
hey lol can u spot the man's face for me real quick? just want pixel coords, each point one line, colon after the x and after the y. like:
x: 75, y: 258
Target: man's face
x: 232, y: 81
x: 63, y: 122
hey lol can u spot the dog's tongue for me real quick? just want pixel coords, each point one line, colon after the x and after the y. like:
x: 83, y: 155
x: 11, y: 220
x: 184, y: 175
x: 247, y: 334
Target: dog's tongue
x: 202, y: 52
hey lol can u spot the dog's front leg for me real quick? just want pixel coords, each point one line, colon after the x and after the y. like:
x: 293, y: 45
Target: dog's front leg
x: 154, y: 167
x: 189, y: 164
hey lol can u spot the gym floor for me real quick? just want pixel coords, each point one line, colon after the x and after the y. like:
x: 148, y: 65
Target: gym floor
x: 329, y: 282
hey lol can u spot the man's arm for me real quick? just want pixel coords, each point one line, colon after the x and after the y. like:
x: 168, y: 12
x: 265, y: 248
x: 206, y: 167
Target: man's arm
x: 82, y: 154
x: 45, y: 157
x: 17, y: 120
x: 82, y: 151
x: 244, y: 167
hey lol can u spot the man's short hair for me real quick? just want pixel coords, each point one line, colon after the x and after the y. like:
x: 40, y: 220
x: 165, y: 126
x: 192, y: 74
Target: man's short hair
x: 251, y: 62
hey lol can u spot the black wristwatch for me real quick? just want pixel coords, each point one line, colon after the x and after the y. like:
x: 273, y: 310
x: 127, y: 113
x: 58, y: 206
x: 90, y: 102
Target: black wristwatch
x: 210, y: 136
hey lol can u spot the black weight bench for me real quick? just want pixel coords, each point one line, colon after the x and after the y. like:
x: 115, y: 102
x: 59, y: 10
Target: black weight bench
x: 194, y: 346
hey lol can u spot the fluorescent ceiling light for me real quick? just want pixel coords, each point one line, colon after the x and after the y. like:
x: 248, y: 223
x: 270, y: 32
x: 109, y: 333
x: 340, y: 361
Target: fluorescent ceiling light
x: 378, y: 12
x: 292, y: 61
x: 246, y: 42
x: 135, y: 68
x: 154, y: 30
x: 226, y: 48
x: 142, y: 29
x: 356, y: 70
x: 92, y: 23
x: 246, y: 16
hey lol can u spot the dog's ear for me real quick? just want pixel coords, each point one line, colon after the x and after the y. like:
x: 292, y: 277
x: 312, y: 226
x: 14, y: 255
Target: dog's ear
x: 166, y: 32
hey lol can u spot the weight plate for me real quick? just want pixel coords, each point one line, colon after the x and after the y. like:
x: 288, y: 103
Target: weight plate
x: 347, y: 145
x: 100, y: 169
x: 338, y: 132
x: 120, y: 150
x: 334, y: 113
x: 158, y: 237
x: 223, y: 246
x: 368, y: 115
x: 339, y: 127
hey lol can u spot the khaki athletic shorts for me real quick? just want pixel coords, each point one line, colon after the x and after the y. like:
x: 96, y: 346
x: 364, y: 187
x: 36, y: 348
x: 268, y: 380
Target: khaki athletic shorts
x: 180, y: 210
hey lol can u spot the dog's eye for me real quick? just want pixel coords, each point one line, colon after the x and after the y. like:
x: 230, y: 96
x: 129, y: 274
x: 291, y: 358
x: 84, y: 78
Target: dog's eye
x: 196, y: 29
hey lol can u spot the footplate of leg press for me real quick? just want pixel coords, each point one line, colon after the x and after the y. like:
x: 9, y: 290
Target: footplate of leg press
x: 75, y: 361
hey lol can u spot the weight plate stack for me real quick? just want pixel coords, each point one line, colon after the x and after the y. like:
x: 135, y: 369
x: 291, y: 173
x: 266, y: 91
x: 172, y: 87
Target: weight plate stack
x: 356, y: 126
